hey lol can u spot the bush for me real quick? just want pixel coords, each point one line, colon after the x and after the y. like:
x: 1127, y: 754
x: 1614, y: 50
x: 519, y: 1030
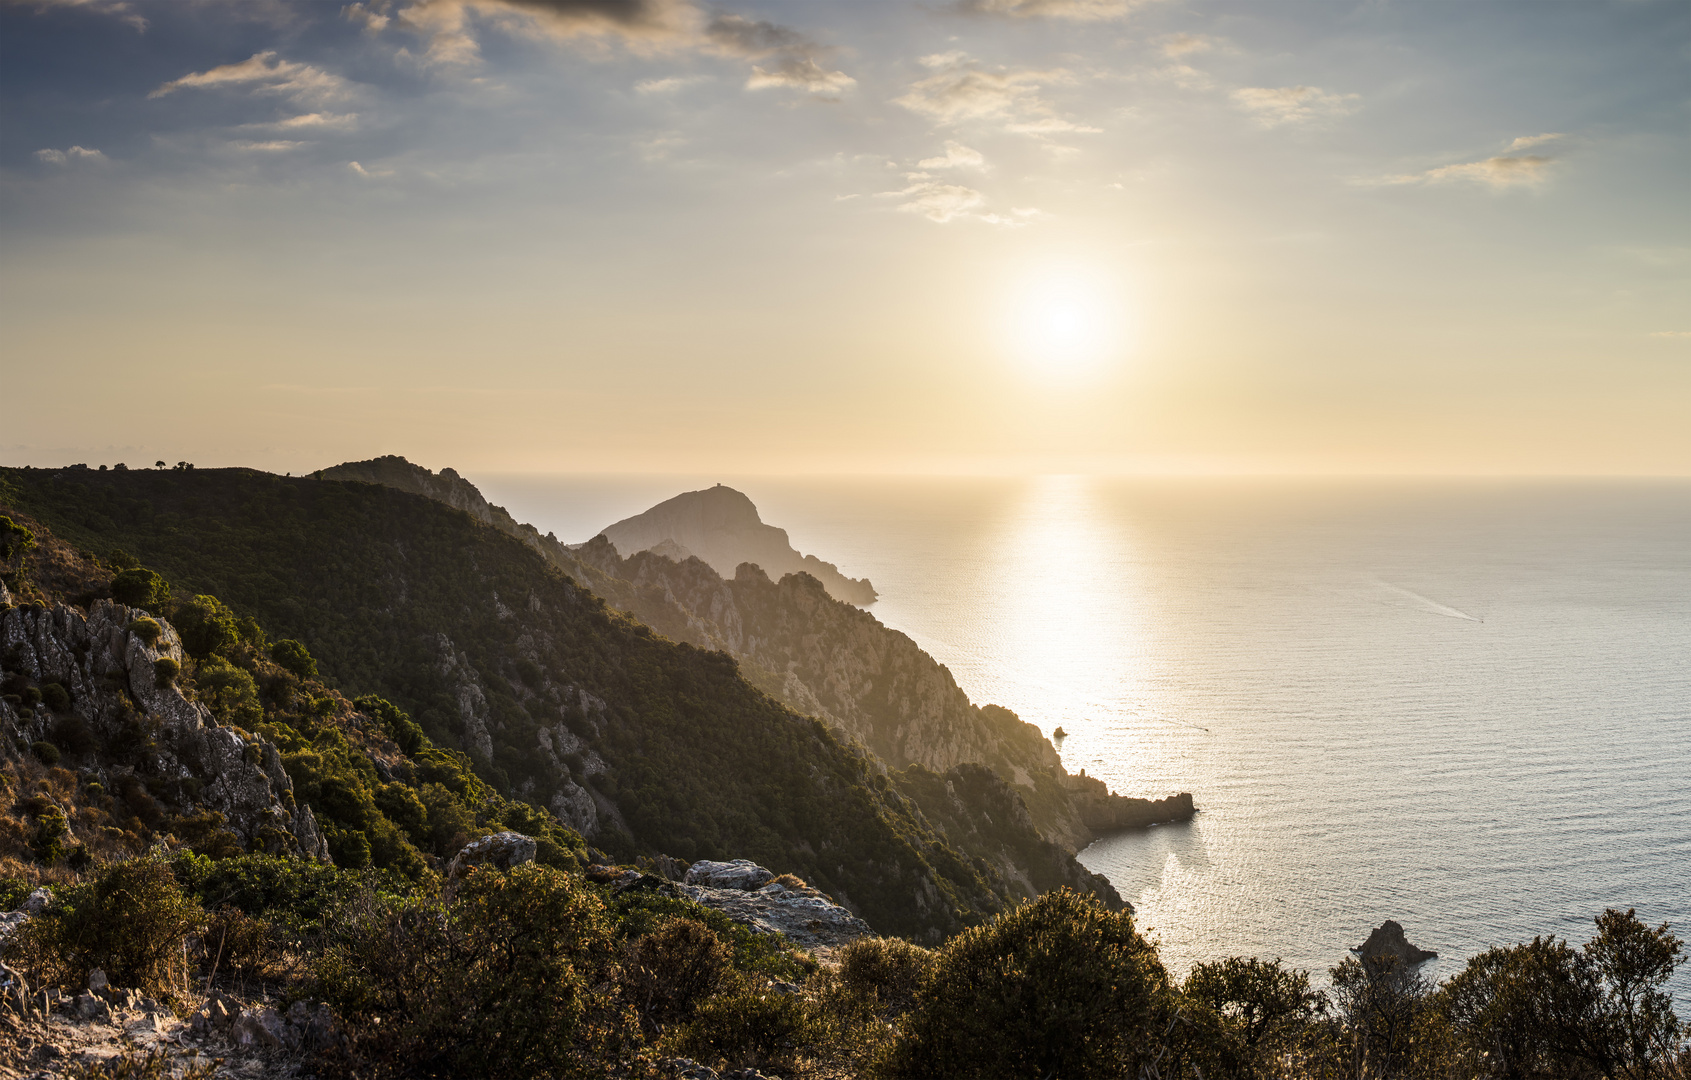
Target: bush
x: 238, y: 944
x: 15, y: 539
x: 748, y: 1029
x: 228, y: 691
x: 148, y: 630
x: 889, y: 969
x: 293, y: 658
x: 670, y: 970
x: 47, y: 841
x: 205, y: 625
x: 132, y: 921
x: 46, y: 752
x: 1244, y: 1014
x: 56, y: 697
x: 1058, y: 987
x: 165, y: 670
x: 141, y: 588
x: 73, y: 735
x: 120, y: 559
x: 498, y: 983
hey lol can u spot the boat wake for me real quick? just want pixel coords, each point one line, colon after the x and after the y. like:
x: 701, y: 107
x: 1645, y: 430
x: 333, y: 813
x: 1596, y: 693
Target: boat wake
x: 1428, y: 604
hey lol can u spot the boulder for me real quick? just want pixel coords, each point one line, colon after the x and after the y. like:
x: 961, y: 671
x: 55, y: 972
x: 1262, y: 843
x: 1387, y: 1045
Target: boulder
x: 502, y: 851
x: 90, y: 1007
x: 264, y: 1028
x: 1388, y: 940
x: 742, y: 874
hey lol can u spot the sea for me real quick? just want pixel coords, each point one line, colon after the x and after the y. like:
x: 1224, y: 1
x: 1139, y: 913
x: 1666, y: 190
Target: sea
x: 1461, y: 704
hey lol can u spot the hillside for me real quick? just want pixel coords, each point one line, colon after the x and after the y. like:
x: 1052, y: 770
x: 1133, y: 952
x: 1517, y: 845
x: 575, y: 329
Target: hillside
x: 722, y: 528
x: 648, y: 745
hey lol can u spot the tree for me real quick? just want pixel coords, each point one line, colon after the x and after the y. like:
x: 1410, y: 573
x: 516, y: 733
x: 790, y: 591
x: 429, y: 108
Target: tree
x: 141, y: 588
x: 1380, y: 999
x: 1631, y: 965
x: 15, y: 539
x: 205, y: 626
x: 293, y: 658
x: 1058, y: 987
x: 1249, y: 1012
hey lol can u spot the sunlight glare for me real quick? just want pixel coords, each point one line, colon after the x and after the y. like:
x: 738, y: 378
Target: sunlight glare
x: 1066, y: 323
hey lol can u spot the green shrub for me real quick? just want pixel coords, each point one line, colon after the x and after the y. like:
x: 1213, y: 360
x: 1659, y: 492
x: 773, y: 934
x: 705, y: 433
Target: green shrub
x: 498, y: 983
x: 148, y: 630
x: 238, y: 944
x: 47, y: 840
x: 120, y: 559
x: 15, y: 539
x: 132, y: 921
x: 293, y: 894
x: 293, y: 658
x: 165, y: 670
x: 46, y: 751
x: 141, y: 588
x: 672, y: 968
x: 13, y: 890
x: 55, y: 697
x: 72, y: 734
x: 1057, y: 987
x: 205, y: 625
x: 888, y: 968
x: 749, y: 1028
x: 229, y: 692
x: 1242, y: 1015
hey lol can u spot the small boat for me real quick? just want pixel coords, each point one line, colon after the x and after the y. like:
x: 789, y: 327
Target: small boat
x: 1059, y: 734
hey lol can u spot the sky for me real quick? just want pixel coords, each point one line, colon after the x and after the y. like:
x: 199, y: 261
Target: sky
x: 960, y: 236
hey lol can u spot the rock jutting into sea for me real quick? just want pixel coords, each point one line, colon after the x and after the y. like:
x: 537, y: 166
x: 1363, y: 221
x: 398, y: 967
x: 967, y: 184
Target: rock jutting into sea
x: 1388, y: 940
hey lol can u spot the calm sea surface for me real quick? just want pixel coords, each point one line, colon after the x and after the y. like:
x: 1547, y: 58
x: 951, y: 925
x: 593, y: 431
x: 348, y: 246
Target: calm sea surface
x: 1462, y: 705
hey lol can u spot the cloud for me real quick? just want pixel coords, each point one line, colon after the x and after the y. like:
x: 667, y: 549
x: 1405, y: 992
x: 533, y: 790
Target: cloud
x: 1526, y: 141
x: 450, y: 25
x: 957, y: 156
x: 1175, y: 46
x: 962, y: 90
x: 265, y: 74
x: 368, y: 174
x: 944, y: 203
x: 122, y: 10
x: 310, y: 121
x: 795, y: 62
x: 667, y: 86
x: 1076, y: 10
x: 271, y: 146
x: 75, y: 153
x: 1502, y: 171
x: 1671, y: 334
x: 1293, y: 104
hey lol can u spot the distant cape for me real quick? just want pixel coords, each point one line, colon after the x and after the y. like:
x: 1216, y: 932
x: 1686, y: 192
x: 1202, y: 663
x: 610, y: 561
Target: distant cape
x: 722, y: 528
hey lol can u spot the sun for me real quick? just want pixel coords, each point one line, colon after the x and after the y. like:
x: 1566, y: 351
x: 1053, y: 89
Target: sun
x: 1066, y: 323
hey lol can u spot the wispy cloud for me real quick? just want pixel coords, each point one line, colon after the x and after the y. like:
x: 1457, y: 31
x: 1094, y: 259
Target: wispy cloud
x: 270, y: 146
x: 944, y: 203
x: 73, y: 154
x: 312, y: 122
x: 451, y: 25
x: 264, y: 73
x: 1273, y: 106
x: 122, y: 10
x: 957, y: 156
x: 962, y: 90
x: 1672, y: 334
x: 1076, y: 10
x: 669, y: 85
x: 794, y: 61
x: 1502, y: 171
x: 1179, y: 46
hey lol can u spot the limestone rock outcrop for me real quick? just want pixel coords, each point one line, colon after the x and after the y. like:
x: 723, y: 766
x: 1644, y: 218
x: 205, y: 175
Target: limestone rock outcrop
x: 110, y: 673
x: 501, y: 851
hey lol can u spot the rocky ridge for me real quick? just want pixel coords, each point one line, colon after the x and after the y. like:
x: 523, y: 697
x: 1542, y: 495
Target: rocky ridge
x: 169, y: 748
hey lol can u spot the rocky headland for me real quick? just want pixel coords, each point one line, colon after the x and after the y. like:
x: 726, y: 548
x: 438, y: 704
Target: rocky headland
x: 722, y: 528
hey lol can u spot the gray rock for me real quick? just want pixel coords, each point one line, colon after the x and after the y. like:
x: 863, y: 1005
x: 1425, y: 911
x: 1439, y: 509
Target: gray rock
x: 90, y: 1007
x: 36, y: 902
x: 804, y: 917
x: 502, y: 851
x: 97, y: 981
x: 742, y: 874
x: 263, y: 1027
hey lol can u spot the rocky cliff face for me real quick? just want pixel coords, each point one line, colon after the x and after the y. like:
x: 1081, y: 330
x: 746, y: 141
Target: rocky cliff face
x: 840, y: 663
x: 722, y: 528
x: 143, y: 737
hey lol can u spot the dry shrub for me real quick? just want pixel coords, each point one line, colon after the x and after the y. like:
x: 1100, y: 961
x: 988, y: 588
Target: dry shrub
x: 890, y: 969
x: 132, y: 921
x: 242, y: 947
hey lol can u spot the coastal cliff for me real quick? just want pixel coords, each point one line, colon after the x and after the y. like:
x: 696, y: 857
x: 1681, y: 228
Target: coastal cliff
x: 722, y: 528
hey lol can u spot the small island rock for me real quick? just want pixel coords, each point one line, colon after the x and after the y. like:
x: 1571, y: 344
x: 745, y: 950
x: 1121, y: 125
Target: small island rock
x: 1388, y: 940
